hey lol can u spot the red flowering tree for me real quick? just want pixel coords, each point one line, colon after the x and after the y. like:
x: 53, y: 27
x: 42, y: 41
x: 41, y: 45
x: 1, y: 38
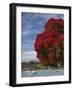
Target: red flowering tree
x: 49, y: 44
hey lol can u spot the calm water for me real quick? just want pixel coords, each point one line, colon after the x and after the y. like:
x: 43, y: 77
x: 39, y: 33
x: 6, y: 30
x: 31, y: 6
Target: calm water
x: 42, y: 73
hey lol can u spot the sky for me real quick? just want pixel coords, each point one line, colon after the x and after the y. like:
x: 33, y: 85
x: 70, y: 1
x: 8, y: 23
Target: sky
x: 31, y: 25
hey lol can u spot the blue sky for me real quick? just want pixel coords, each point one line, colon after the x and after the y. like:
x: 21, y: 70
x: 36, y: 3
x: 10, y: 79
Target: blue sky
x: 31, y: 25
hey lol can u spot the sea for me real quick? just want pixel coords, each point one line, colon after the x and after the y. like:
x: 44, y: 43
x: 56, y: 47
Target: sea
x: 37, y: 73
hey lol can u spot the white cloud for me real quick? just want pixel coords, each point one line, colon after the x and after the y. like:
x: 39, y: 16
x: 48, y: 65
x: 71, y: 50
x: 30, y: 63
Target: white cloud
x: 26, y: 32
x: 28, y: 56
x: 30, y: 52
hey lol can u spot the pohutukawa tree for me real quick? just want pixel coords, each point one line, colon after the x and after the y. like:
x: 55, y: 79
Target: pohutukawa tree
x: 49, y: 44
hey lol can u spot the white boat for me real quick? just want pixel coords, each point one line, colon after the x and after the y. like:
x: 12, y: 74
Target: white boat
x: 58, y: 70
x: 29, y: 72
x: 34, y: 72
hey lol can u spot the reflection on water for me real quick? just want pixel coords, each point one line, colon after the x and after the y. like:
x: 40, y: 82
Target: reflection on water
x: 36, y: 73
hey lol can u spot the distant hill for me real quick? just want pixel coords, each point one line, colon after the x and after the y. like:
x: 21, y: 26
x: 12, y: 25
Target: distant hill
x: 31, y: 65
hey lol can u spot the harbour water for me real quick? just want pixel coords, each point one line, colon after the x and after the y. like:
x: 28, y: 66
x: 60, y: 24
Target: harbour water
x: 37, y: 73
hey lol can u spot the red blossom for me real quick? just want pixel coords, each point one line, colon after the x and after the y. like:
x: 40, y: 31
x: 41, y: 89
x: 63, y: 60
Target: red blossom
x: 61, y: 37
x: 48, y: 43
